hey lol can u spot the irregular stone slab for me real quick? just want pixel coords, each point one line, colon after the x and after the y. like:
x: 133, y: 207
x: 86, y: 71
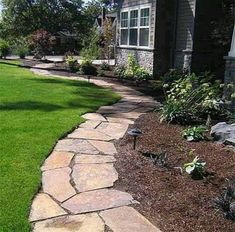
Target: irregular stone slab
x: 94, y: 159
x: 129, y: 115
x: 97, y: 200
x: 57, y: 184
x: 93, y: 176
x: 44, y: 207
x: 76, y: 145
x: 94, y: 116
x: 106, y: 148
x: 120, y: 120
x: 230, y: 141
x: 77, y: 223
x: 84, y: 133
x: 90, y: 124
x: 57, y: 160
x: 144, y: 109
x: 116, y: 130
x: 127, y: 219
x: 222, y: 131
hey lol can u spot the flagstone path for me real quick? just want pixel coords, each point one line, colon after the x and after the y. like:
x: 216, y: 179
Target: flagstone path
x: 77, y: 193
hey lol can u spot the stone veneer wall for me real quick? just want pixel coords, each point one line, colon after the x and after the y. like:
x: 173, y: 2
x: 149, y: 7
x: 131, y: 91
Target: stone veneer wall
x: 230, y: 78
x: 144, y: 57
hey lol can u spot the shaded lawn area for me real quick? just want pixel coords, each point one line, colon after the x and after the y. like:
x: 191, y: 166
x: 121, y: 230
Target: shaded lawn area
x: 34, y: 113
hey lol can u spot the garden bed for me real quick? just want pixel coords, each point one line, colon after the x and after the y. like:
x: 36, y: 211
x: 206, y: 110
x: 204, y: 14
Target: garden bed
x: 172, y: 201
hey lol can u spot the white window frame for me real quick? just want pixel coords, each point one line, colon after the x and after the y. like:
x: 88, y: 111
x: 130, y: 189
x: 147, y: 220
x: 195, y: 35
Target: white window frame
x: 139, y: 8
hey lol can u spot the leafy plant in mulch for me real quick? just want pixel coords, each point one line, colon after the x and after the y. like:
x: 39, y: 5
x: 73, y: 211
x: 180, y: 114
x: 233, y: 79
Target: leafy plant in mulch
x: 195, y: 168
x: 159, y: 159
x: 196, y: 133
x: 226, y: 202
x: 105, y: 66
x: 193, y: 99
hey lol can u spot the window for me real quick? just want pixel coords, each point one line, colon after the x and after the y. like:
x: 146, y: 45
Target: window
x: 144, y: 27
x: 134, y: 29
x: 124, y: 28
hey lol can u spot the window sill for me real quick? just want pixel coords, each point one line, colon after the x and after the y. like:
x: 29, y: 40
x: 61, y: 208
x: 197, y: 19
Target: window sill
x: 135, y: 48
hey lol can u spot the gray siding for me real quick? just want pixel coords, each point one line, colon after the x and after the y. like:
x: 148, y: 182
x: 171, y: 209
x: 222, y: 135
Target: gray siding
x: 184, y: 33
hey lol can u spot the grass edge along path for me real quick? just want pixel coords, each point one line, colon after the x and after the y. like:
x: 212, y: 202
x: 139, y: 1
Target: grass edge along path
x: 35, y: 112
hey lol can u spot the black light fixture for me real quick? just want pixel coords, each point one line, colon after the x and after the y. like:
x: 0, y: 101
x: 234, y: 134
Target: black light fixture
x: 134, y: 133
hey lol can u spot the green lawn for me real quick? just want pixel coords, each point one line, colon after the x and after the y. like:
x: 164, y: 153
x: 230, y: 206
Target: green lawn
x: 34, y: 113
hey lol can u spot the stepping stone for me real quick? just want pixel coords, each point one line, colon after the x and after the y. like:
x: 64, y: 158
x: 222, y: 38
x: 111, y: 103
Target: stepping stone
x: 57, y: 160
x: 77, y: 146
x: 44, y: 207
x: 94, y: 159
x: 93, y: 176
x: 127, y: 219
x: 57, y: 184
x: 97, y: 200
x: 76, y: 223
x: 116, y: 130
x: 90, y: 124
x: 120, y: 120
x: 106, y: 148
x: 129, y: 115
x: 94, y: 116
x: 92, y: 134
x: 144, y: 109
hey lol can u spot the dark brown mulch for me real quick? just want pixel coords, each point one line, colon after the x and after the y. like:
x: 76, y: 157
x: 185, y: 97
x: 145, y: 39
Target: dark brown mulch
x: 172, y: 201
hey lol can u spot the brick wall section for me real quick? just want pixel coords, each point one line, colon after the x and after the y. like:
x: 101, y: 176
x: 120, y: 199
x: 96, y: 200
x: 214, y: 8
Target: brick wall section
x: 143, y: 57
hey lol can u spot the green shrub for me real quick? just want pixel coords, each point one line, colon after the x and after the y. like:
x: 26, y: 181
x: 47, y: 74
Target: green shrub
x: 87, y: 68
x: 105, y: 66
x: 132, y: 71
x: 172, y: 76
x: 4, y: 48
x: 195, y: 133
x: 119, y: 71
x: 198, y: 95
x: 72, y: 63
x: 20, y: 47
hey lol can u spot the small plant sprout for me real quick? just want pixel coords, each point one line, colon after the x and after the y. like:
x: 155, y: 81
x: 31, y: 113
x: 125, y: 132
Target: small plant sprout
x: 195, y: 133
x: 195, y: 168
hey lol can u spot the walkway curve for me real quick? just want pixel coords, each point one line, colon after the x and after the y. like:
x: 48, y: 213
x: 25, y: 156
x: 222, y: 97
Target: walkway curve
x: 77, y: 191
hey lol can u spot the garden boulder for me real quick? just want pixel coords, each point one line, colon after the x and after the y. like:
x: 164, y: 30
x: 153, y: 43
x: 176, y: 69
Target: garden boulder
x: 224, y: 133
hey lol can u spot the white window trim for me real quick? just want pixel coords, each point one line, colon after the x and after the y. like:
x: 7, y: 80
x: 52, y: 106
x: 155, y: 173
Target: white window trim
x: 129, y: 9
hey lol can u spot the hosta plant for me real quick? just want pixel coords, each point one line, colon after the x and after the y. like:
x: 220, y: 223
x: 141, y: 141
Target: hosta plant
x: 195, y: 168
x: 195, y: 133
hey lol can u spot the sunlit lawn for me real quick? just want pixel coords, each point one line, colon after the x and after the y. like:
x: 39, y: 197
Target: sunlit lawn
x: 34, y: 113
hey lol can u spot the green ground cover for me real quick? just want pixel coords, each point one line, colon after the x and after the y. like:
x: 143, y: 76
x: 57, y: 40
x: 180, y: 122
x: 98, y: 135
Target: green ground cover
x: 35, y: 112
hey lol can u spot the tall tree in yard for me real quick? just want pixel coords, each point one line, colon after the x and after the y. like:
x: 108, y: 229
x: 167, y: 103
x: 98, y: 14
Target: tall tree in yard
x: 23, y: 17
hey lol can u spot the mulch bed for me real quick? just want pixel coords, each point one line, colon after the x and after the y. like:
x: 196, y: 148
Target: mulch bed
x: 172, y: 201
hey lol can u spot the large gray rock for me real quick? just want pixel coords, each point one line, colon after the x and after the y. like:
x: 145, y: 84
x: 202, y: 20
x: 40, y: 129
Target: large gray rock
x: 223, y: 131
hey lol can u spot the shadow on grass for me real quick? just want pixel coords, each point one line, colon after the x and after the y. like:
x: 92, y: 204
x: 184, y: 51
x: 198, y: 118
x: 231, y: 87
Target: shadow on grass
x: 29, y: 105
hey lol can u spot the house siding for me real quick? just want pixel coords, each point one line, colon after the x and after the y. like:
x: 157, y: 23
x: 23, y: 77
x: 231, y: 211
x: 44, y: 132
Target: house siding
x: 145, y: 57
x: 184, y: 33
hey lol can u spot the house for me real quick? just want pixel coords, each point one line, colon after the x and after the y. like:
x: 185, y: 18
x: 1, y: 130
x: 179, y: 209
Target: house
x: 165, y: 34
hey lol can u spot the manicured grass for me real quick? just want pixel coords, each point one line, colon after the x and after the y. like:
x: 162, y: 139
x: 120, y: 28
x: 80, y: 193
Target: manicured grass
x: 34, y: 113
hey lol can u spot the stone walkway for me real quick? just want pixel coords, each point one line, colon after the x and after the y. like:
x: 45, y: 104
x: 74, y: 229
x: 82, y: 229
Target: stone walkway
x: 77, y: 193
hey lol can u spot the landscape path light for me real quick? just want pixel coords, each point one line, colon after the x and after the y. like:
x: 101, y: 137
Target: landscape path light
x: 135, y: 133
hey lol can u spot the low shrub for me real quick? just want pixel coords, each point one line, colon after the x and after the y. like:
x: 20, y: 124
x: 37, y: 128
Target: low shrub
x: 198, y: 96
x: 105, y: 66
x: 72, y: 63
x: 195, y: 133
x: 132, y: 71
x: 87, y: 68
x: 4, y: 48
x: 119, y: 71
x: 21, y: 48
